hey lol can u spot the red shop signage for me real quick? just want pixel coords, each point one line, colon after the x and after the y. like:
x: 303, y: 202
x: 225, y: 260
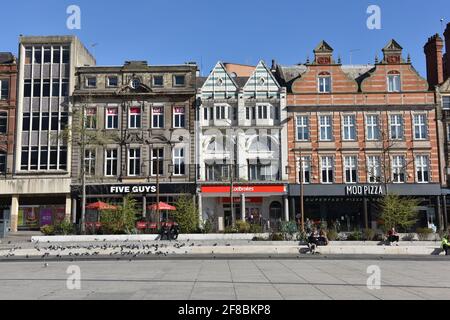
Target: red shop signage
x: 245, y: 189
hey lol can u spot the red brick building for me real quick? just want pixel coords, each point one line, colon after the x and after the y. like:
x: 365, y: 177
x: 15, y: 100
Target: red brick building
x: 8, y: 80
x: 361, y: 131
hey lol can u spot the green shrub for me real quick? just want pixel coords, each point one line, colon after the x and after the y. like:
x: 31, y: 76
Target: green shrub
x: 276, y: 237
x: 301, y: 236
x: 333, y: 235
x: 48, y: 230
x: 242, y: 226
x: 423, y: 233
x: 369, y: 234
x: 231, y: 229
x: 207, y: 227
x: 355, y: 236
x: 289, y: 229
x: 64, y: 228
x: 186, y: 215
x: 255, y: 228
x: 409, y: 237
x: 122, y: 220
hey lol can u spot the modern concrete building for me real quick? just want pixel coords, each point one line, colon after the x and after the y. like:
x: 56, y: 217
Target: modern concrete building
x: 139, y: 133
x: 358, y: 132
x: 8, y: 81
x: 39, y: 192
x: 241, y: 147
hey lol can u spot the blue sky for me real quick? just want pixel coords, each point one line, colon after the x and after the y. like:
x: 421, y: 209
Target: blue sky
x: 242, y: 31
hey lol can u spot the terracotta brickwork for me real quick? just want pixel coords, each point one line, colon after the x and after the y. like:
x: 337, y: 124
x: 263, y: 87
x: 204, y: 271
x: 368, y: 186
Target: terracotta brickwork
x: 361, y: 91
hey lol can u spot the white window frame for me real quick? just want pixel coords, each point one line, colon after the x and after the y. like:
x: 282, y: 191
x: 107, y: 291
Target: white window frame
x: 90, y: 161
x: 373, y: 127
x: 421, y: 125
x: 112, y: 159
x: 179, y: 160
x: 108, y: 83
x: 394, y: 82
x: 134, y: 161
x: 306, y: 166
x: 154, y: 158
x: 399, y: 168
x: 374, y: 169
x: 160, y: 117
x: 322, y: 82
x: 111, y: 115
x: 396, y: 126
x: 351, y: 164
x: 327, y: 163
x: 263, y: 111
x: 135, y: 116
x: 302, y: 126
x: 90, y: 118
x: 90, y: 78
x: 179, y: 117
x: 221, y: 112
x: 349, y: 127
x: 326, y: 122
x: 422, y: 164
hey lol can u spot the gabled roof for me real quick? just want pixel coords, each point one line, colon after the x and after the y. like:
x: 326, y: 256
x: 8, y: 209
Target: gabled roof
x: 220, y: 65
x: 393, y: 46
x: 271, y: 75
x: 323, y: 46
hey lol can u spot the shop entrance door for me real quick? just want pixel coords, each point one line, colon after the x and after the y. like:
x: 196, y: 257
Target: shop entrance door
x: 276, y: 212
x: 227, y: 214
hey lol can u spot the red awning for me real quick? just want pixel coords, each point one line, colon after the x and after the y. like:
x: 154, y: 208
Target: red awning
x: 162, y: 206
x: 100, y: 206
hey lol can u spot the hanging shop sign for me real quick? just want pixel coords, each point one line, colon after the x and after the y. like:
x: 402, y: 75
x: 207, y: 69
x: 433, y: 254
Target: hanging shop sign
x: 132, y: 189
x: 135, y: 189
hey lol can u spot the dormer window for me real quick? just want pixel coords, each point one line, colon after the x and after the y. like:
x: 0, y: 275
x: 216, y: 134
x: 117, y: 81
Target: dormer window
x: 91, y: 82
x: 324, y: 82
x: 394, y: 81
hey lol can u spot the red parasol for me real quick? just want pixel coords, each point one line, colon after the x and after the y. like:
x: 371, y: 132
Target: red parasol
x: 100, y: 206
x: 161, y: 206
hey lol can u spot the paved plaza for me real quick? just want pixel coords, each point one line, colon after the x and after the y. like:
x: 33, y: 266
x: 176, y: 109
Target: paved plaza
x: 285, y: 279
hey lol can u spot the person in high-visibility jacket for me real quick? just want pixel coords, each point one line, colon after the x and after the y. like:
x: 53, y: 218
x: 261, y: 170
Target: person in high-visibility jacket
x: 445, y: 244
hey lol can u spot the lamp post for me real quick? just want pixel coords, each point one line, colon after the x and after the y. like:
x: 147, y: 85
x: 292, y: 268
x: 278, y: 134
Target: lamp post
x: 302, y: 194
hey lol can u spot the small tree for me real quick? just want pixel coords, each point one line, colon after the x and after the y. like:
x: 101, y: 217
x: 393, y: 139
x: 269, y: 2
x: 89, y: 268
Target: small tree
x: 122, y: 220
x: 398, y: 212
x: 186, y: 215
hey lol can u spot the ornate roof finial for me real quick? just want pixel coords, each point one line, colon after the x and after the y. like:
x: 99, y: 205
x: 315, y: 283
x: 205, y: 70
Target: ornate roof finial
x: 307, y: 60
x: 376, y: 59
x: 409, y: 58
x: 339, y: 59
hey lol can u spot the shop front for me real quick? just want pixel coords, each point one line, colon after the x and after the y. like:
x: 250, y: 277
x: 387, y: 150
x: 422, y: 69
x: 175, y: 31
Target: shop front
x: 145, y: 195
x: 266, y: 205
x: 354, y: 207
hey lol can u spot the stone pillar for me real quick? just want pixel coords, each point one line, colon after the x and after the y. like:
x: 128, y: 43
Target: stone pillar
x: 144, y: 206
x: 68, y: 207
x: 440, y: 215
x: 14, y: 213
x: 444, y: 201
x: 366, y: 214
x: 286, y: 208
x: 74, y: 210
x: 243, y: 204
x: 293, y: 211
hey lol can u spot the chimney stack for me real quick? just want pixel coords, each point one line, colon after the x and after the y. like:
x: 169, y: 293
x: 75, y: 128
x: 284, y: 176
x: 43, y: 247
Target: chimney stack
x: 447, y: 53
x: 433, y: 52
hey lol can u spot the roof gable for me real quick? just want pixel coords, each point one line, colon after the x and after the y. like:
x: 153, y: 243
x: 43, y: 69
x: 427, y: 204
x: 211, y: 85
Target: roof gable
x: 219, y: 83
x: 262, y: 83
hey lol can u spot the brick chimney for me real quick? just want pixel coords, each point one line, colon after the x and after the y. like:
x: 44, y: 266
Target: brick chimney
x: 433, y: 53
x: 447, y: 53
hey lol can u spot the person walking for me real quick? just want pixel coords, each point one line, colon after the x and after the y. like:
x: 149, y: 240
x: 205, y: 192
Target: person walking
x: 445, y: 244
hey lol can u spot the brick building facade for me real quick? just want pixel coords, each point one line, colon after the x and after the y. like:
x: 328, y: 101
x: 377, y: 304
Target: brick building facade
x: 361, y: 131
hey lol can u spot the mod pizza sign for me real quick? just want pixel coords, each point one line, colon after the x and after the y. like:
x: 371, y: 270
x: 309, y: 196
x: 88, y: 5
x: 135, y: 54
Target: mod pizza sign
x: 265, y: 189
